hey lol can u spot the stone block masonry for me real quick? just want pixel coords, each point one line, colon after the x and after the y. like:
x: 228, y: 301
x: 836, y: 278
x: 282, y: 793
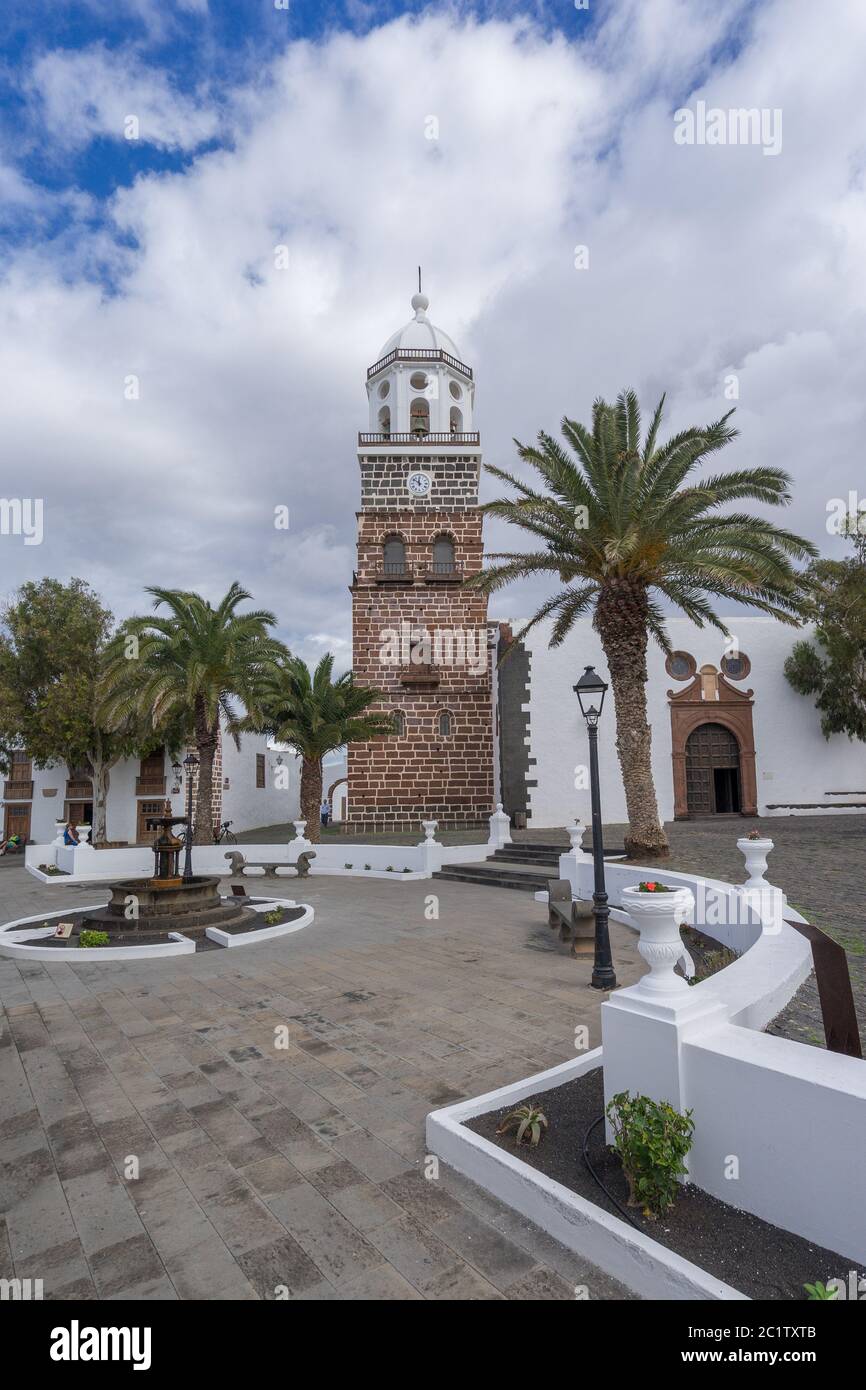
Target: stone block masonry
x: 439, y: 766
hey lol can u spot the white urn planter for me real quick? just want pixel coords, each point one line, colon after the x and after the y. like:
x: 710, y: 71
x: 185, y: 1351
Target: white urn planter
x: 500, y: 828
x: 755, y: 854
x: 658, y: 917
x: 429, y: 827
x: 300, y: 843
x: 84, y: 836
x: 575, y: 835
x: 59, y: 828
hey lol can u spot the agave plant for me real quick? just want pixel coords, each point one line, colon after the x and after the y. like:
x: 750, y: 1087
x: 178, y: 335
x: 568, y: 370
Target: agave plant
x: 528, y: 1121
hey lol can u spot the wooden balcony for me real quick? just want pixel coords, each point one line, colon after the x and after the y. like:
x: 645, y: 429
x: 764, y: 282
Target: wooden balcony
x: 443, y: 572
x: 412, y: 437
x: 18, y: 791
x: 422, y: 674
x: 150, y: 786
x: 79, y: 790
x: 394, y: 572
x: 419, y: 355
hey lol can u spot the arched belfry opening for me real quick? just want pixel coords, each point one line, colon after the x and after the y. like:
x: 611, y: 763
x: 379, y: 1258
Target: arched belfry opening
x: 419, y: 416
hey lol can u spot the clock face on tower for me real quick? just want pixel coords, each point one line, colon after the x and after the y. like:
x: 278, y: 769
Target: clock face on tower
x: 418, y: 484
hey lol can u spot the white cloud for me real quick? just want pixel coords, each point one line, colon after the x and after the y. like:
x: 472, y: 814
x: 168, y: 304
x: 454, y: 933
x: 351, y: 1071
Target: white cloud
x: 83, y: 93
x: 703, y: 261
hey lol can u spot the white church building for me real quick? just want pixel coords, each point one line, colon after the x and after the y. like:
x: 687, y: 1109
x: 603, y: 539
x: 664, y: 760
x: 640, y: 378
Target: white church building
x: 730, y: 737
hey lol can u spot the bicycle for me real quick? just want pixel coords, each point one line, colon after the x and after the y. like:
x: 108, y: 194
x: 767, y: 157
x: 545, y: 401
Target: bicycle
x: 224, y: 834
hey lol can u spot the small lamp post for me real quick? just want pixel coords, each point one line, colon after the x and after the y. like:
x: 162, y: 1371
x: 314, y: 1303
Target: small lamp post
x: 190, y: 763
x: 590, y: 691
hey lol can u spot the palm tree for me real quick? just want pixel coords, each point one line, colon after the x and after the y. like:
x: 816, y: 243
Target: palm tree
x: 186, y: 668
x: 622, y: 530
x: 315, y: 714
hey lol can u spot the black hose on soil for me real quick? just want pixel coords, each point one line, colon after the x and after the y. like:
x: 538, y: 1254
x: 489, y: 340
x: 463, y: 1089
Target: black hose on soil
x: 608, y: 1194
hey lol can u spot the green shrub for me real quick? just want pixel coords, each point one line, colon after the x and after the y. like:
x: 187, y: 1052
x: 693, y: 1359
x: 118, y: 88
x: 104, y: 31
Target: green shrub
x: 652, y: 1139
x: 347, y: 866
x: 274, y: 917
x: 820, y: 1292
x: 93, y: 938
x: 367, y: 866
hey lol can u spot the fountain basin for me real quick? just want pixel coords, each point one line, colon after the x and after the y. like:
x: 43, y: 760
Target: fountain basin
x: 159, y: 906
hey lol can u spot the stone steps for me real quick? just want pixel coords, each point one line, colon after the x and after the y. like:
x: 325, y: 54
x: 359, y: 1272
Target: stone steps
x: 522, y: 877
x: 525, y: 867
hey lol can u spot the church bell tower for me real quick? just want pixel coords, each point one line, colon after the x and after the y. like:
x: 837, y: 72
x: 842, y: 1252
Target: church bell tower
x: 418, y: 634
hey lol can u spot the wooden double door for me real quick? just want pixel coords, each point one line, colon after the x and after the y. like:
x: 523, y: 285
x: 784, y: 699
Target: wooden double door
x: 16, y: 820
x: 713, y: 784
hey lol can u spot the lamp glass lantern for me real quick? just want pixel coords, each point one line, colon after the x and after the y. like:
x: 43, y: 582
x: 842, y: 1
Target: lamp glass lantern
x: 590, y: 691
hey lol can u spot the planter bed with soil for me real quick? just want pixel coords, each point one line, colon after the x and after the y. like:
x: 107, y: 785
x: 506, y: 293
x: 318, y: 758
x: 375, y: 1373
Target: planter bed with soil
x: 286, y: 914
x: 30, y: 940
x: 747, y: 1253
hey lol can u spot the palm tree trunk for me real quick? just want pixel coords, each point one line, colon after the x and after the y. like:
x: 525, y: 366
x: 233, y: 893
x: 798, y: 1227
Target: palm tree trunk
x: 311, y: 797
x: 101, y: 780
x: 206, y: 737
x: 621, y: 622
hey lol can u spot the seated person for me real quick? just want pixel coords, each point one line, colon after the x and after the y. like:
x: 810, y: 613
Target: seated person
x: 13, y: 843
x: 70, y: 835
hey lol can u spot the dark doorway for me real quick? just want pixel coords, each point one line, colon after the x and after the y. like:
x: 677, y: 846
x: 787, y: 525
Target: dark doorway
x: 726, y: 784
x: 712, y: 772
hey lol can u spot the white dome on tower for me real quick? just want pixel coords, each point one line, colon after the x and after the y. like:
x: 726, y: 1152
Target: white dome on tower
x: 420, y: 333
x: 419, y: 387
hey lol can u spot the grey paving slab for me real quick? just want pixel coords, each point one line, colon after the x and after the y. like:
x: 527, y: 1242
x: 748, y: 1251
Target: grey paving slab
x: 280, y: 1172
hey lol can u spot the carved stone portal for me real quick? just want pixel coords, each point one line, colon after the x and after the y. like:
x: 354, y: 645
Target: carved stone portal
x: 713, y: 748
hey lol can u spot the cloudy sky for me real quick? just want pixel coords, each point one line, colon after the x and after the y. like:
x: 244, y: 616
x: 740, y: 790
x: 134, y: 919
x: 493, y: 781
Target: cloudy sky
x: 306, y: 125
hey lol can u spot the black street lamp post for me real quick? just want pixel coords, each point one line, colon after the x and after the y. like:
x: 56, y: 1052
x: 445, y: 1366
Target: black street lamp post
x: 190, y: 763
x: 589, y: 688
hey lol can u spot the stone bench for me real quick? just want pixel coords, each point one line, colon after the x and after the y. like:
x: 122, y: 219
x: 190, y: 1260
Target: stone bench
x: 239, y: 864
x: 575, y: 919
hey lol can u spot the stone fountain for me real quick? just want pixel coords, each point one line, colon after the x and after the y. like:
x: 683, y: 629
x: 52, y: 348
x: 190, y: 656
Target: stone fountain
x: 167, y: 902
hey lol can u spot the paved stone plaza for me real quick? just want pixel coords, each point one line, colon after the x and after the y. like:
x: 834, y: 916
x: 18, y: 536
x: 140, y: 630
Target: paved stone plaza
x: 301, y: 1167
x: 820, y: 863
x: 261, y: 1167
